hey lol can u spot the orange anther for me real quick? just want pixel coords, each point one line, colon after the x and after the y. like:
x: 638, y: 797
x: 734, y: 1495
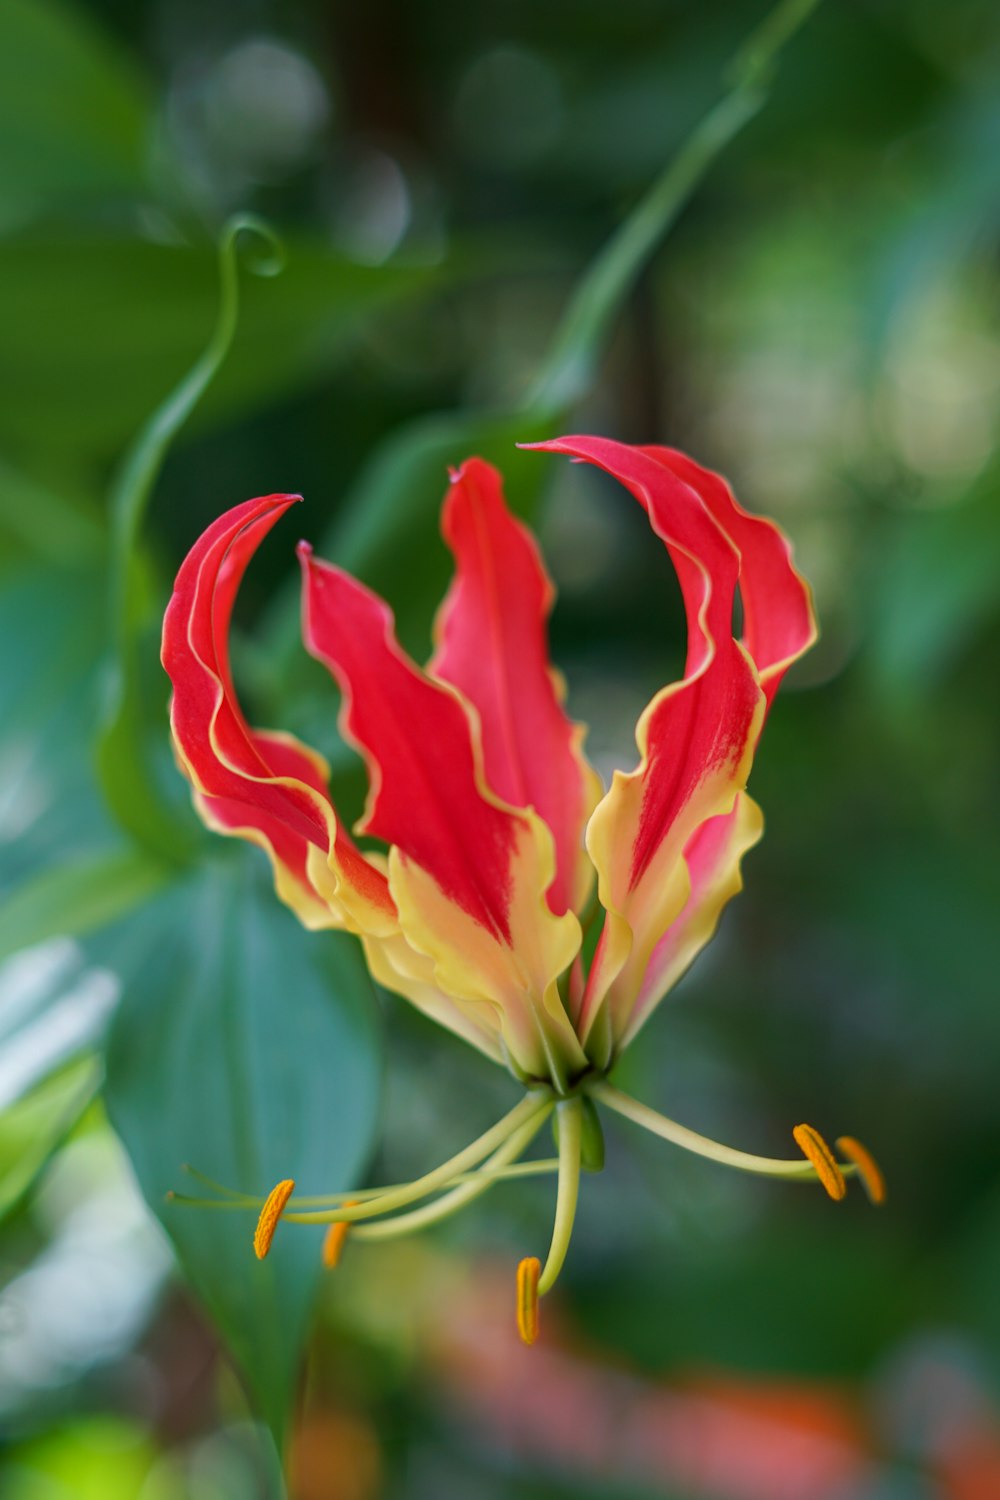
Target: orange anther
x: 335, y: 1237
x: 868, y: 1168
x: 274, y: 1207
x: 814, y: 1148
x: 528, y: 1273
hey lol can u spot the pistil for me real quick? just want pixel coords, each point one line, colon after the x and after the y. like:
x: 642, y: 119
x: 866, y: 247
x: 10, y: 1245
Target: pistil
x: 817, y: 1163
x: 567, y: 1192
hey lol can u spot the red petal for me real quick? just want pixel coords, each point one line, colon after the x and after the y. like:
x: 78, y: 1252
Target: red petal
x: 415, y: 735
x: 704, y: 721
x: 493, y: 646
x: 265, y: 787
x: 468, y: 872
x: 695, y: 738
x: 778, y: 619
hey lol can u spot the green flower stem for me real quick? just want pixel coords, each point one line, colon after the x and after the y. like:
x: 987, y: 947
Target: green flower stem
x: 127, y: 779
x: 700, y: 1145
x: 536, y: 1103
x: 472, y: 1185
x: 567, y: 372
x: 570, y: 1145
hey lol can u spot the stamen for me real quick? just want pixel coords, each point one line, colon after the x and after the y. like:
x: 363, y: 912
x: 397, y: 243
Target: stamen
x: 868, y: 1168
x: 333, y: 1244
x: 528, y: 1273
x: 535, y: 1106
x: 815, y: 1150
x: 274, y: 1206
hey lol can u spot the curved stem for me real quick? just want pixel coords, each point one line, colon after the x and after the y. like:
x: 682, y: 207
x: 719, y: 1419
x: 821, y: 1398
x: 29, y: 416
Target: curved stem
x: 534, y: 1104
x: 127, y: 779
x: 473, y: 1186
x: 701, y: 1145
x: 570, y: 1143
x: 567, y: 371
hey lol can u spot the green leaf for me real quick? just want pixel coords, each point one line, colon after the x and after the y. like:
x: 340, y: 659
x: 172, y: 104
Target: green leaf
x: 75, y: 898
x: 124, y: 318
x: 53, y: 526
x: 936, y: 588
x: 33, y: 1128
x: 248, y: 1048
x: 49, y: 807
x: 74, y: 112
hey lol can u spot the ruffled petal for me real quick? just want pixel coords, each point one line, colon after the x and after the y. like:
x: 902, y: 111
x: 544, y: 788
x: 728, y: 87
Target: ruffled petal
x: 400, y: 968
x: 492, y: 644
x: 695, y: 740
x: 264, y: 787
x: 468, y: 872
x: 712, y: 857
x: 779, y: 622
x: 779, y: 625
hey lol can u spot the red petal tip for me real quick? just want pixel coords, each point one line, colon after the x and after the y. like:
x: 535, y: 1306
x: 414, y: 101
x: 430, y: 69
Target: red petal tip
x: 304, y: 551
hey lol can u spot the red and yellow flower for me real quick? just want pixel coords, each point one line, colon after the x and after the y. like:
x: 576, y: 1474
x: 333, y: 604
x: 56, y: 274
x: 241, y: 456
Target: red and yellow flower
x: 492, y: 829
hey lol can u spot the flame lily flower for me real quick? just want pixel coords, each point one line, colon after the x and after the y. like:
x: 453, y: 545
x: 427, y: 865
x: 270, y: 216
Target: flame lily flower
x: 493, y: 829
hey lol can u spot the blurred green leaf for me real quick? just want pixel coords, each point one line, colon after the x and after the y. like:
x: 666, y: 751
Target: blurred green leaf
x: 773, y: 1306
x: 33, y: 1128
x: 49, y: 807
x: 98, y: 329
x: 52, y: 526
x: 937, y: 585
x: 250, y: 1049
x: 93, y: 1457
x: 71, y: 899
x: 74, y: 111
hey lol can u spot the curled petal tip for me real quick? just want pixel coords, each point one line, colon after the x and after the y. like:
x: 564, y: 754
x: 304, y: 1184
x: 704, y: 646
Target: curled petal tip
x: 274, y: 1207
x: 815, y: 1149
x: 528, y: 1273
x: 304, y: 551
x: 868, y: 1168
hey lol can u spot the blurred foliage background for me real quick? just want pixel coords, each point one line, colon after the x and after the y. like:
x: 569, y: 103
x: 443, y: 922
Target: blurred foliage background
x: 821, y: 325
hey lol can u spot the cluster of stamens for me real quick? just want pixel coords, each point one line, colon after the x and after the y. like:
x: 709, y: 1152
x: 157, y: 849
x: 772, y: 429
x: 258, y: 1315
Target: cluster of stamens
x: 496, y: 1156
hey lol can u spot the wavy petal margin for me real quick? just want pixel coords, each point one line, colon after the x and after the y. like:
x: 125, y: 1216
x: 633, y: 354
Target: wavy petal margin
x: 695, y: 741
x: 491, y: 637
x: 264, y: 787
x: 779, y: 621
x: 468, y: 873
x: 713, y: 858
